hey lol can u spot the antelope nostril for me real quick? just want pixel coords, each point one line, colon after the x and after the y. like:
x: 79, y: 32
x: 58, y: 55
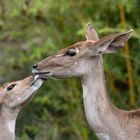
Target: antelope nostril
x: 35, y: 66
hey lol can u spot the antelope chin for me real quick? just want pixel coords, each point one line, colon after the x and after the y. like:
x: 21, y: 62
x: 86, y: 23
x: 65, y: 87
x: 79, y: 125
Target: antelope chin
x: 52, y: 76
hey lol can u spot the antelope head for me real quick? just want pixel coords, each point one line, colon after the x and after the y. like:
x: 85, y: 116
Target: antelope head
x: 77, y: 59
x: 16, y: 94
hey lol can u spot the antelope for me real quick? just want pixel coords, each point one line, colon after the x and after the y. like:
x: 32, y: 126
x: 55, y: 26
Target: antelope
x: 84, y: 60
x: 13, y: 97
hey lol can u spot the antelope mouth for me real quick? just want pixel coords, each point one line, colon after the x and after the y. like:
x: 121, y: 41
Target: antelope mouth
x: 48, y: 75
x: 42, y: 75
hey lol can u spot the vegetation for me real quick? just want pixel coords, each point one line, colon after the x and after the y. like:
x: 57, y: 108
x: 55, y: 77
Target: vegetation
x: 32, y: 30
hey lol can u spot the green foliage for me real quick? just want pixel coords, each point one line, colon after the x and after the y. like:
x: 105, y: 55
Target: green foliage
x: 32, y: 30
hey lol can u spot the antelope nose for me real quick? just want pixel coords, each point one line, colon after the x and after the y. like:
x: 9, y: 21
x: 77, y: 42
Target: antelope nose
x: 35, y: 66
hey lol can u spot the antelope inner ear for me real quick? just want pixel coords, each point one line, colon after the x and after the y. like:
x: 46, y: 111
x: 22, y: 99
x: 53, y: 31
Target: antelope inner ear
x: 112, y: 43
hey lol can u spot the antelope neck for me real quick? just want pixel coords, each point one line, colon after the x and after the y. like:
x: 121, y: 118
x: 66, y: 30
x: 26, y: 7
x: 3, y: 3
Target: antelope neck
x: 7, y: 123
x: 100, y: 113
x: 94, y: 84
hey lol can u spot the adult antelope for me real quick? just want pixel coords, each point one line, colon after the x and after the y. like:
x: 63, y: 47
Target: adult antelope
x: 13, y: 96
x: 84, y: 59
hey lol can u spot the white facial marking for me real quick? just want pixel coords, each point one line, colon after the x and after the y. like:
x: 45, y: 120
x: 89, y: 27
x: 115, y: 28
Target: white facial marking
x: 76, y: 63
x: 58, y: 55
x: 103, y: 136
x: 34, y: 71
x: 11, y: 126
x: 19, y: 98
x: 77, y: 50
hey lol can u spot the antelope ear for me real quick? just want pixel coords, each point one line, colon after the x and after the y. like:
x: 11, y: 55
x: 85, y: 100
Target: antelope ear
x: 91, y: 33
x: 112, y: 43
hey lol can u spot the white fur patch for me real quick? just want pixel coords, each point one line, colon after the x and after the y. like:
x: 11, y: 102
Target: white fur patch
x: 77, y: 50
x: 85, y: 91
x: 34, y: 71
x: 37, y: 84
x: 75, y: 63
x: 91, y: 107
x: 11, y: 126
x: 19, y: 98
x: 58, y: 55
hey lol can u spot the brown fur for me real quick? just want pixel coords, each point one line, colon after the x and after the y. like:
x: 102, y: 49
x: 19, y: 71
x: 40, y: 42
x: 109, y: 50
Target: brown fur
x: 107, y: 121
x: 12, y: 101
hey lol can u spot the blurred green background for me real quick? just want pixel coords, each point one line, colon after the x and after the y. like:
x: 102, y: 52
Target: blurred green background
x: 31, y: 30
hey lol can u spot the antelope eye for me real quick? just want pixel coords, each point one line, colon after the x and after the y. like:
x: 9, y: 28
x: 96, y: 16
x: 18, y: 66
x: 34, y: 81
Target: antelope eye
x: 11, y: 87
x: 70, y: 53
